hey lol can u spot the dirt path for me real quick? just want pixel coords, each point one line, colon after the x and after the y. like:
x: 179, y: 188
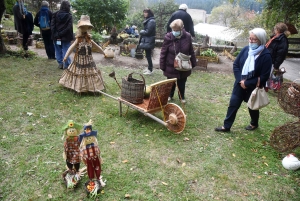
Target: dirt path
x: 224, y: 65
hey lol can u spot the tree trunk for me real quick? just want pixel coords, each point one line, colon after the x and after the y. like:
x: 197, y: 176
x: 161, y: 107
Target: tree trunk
x: 2, y: 9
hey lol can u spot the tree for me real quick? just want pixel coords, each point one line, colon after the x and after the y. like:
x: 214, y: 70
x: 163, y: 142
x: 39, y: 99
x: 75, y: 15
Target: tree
x: 163, y: 12
x: 104, y: 14
x: 2, y: 9
x: 223, y: 14
x: 286, y: 11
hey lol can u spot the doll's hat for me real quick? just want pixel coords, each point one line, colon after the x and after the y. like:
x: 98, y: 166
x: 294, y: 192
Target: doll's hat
x: 71, y: 124
x: 84, y: 21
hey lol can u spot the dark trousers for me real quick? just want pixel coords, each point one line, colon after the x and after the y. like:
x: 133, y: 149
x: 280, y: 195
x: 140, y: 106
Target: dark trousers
x: 25, y: 40
x: 181, y: 87
x: 149, y: 59
x: 49, y: 47
x: 237, y: 97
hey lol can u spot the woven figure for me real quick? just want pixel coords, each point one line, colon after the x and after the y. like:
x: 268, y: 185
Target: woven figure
x: 82, y: 75
x: 71, y: 154
x: 286, y: 138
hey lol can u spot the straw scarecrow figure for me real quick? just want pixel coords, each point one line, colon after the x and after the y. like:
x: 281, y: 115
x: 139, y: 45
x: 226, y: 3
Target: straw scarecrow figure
x: 90, y: 155
x: 71, y: 153
x: 82, y: 75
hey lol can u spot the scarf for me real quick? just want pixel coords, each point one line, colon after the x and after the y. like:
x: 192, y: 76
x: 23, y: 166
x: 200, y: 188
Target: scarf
x: 269, y: 42
x: 248, y: 68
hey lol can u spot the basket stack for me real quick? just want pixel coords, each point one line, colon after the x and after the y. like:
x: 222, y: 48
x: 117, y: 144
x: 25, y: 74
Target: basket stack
x: 133, y: 90
x: 286, y: 138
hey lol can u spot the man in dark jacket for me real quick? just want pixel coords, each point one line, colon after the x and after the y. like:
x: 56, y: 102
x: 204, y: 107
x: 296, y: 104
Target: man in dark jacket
x: 62, y: 33
x: 23, y: 21
x: 46, y: 34
x: 185, y: 17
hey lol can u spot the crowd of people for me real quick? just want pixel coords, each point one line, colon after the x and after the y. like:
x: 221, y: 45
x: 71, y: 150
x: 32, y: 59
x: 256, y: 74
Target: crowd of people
x: 254, y: 66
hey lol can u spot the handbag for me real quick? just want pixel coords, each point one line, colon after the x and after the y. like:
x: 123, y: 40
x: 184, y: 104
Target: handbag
x: 182, y: 62
x: 258, y: 98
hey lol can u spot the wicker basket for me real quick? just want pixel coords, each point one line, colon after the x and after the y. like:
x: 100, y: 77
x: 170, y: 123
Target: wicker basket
x: 133, y: 89
x: 289, y: 98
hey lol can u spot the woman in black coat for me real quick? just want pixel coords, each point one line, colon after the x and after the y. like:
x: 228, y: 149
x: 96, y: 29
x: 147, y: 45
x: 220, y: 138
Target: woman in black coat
x: 278, y: 46
x: 147, y: 40
x: 174, y: 42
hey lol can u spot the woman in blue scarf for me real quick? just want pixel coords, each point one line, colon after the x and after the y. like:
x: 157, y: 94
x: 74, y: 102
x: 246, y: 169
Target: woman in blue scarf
x: 252, y: 64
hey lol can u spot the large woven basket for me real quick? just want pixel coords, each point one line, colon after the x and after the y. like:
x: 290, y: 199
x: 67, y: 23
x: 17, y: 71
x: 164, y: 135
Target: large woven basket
x: 133, y: 89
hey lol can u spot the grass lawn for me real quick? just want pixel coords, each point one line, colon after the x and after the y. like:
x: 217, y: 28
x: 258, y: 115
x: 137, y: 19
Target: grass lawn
x: 141, y: 157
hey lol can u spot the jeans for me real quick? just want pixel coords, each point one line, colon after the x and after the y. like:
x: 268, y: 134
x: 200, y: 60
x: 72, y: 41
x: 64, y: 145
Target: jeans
x: 60, y: 52
x: 181, y: 88
x: 149, y: 59
x: 237, y: 97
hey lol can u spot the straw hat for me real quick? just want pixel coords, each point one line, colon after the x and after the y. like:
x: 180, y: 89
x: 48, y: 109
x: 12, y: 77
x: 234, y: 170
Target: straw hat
x: 84, y: 21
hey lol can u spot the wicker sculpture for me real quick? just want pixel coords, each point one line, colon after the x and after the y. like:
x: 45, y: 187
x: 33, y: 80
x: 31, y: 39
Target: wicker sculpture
x: 287, y: 137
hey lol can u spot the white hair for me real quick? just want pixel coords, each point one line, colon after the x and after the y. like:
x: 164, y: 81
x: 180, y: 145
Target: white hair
x: 183, y: 7
x: 260, y: 34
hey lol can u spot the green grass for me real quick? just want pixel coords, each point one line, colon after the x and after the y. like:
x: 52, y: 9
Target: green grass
x: 198, y: 164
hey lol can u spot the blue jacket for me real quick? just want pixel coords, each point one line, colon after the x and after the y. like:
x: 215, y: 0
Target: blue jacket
x: 262, y: 69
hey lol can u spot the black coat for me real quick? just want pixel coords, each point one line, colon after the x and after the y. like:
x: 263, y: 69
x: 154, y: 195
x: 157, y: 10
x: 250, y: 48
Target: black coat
x: 187, y: 21
x: 168, y: 53
x: 147, y: 40
x: 278, y: 49
x: 22, y: 25
x: 62, y: 26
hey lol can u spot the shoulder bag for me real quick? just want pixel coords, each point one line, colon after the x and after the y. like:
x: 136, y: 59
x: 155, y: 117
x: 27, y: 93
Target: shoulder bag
x: 258, y: 98
x: 182, y: 62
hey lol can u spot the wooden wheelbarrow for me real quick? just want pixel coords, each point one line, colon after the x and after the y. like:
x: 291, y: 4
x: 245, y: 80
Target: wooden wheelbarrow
x: 174, y: 117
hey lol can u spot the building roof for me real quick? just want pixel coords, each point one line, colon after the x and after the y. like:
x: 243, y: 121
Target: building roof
x: 217, y: 32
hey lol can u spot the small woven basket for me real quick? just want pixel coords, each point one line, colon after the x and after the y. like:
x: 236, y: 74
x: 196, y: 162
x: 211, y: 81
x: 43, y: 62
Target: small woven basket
x: 133, y: 90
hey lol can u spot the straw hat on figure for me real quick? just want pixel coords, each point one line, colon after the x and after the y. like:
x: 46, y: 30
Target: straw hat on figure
x: 71, y: 154
x: 82, y: 75
x: 90, y: 155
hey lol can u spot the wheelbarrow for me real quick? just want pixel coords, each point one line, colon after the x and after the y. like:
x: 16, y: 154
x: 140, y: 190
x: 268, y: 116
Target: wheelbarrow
x: 174, y: 117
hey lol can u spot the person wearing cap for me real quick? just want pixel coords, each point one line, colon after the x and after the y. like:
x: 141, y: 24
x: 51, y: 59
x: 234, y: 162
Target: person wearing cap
x: 62, y: 33
x: 46, y: 34
x: 185, y: 17
x: 82, y: 75
x: 251, y: 67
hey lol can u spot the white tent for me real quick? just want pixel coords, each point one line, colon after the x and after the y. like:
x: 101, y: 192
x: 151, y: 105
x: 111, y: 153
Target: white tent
x: 217, y: 32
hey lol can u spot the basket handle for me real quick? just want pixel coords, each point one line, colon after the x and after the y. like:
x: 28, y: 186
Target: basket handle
x: 130, y: 76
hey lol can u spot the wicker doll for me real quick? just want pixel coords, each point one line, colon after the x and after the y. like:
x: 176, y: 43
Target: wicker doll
x: 71, y: 154
x: 90, y: 155
x: 82, y: 75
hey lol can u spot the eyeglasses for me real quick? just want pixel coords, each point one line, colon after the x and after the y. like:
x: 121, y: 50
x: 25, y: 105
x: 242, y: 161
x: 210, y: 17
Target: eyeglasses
x: 253, y: 39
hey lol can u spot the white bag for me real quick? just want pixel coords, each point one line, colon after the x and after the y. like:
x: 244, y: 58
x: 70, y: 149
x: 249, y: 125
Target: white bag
x: 258, y: 98
x: 182, y: 62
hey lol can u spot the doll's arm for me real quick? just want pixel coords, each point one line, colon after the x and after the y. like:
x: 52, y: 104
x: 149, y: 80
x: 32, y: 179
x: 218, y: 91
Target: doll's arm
x: 70, y: 50
x: 98, y: 47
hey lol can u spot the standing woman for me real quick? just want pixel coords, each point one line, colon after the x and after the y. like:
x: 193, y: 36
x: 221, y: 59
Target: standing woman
x: 174, y: 42
x: 147, y: 40
x: 278, y: 46
x: 252, y: 66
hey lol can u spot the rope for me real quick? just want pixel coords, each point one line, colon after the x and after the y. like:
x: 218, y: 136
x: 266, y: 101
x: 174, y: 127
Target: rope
x: 162, y: 109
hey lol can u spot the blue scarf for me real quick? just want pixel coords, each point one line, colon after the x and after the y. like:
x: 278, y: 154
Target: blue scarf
x: 248, y: 68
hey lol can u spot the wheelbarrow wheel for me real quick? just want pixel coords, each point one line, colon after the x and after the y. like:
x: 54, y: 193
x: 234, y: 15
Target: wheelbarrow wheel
x: 174, y: 117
